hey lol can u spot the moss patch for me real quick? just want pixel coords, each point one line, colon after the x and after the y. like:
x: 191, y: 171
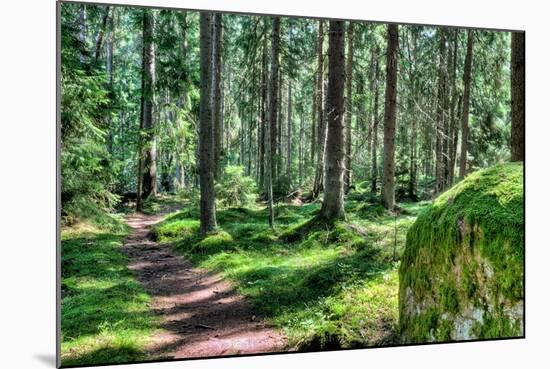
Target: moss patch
x: 464, y: 252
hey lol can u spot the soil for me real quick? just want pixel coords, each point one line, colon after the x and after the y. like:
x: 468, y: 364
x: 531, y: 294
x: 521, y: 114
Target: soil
x: 201, y: 313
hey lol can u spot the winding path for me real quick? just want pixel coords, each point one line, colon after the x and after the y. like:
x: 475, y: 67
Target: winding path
x: 202, y: 315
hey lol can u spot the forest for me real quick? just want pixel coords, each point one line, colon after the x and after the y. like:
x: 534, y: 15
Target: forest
x: 236, y: 184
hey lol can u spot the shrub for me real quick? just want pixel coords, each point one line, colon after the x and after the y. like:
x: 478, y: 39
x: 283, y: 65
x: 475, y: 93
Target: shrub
x: 235, y: 188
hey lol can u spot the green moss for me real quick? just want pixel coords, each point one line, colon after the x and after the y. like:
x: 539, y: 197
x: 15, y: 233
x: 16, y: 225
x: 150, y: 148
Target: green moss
x: 481, y: 218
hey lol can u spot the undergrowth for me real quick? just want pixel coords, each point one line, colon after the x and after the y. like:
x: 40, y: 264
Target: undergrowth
x: 105, y: 315
x: 327, y: 285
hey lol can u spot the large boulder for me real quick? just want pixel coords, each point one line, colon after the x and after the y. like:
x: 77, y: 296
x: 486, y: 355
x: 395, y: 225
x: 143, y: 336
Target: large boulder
x: 461, y: 275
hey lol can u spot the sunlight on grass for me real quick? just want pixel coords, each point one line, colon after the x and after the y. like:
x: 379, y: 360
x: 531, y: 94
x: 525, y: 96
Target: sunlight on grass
x: 105, y: 311
x: 325, y: 286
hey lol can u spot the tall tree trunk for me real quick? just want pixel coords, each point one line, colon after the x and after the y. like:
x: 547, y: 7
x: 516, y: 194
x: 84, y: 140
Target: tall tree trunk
x: 101, y: 33
x: 217, y: 89
x: 313, y: 146
x: 349, y: 105
x: 148, y: 83
x: 518, y: 96
x: 390, y: 112
x: 271, y: 133
x: 301, y: 149
x: 110, y: 73
x: 321, y: 126
x: 206, y: 130
x: 453, y: 116
x: 263, y: 121
x: 375, y: 117
x: 274, y: 98
x: 466, y: 105
x: 82, y: 34
x: 440, y: 117
x: 333, y: 200
x: 289, y: 133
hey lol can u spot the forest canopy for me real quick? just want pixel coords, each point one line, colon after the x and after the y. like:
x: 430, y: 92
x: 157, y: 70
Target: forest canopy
x: 324, y: 168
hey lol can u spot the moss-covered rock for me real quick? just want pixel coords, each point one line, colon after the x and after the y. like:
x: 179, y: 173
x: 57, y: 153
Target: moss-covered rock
x: 461, y: 274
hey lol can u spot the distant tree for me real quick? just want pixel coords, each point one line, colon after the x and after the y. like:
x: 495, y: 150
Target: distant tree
x: 390, y: 112
x: 466, y: 105
x: 518, y: 96
x: 349, y: 106
x: 271, y: 132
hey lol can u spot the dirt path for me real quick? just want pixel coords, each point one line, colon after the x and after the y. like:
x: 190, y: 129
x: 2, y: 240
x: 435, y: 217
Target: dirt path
x: 202, y: 315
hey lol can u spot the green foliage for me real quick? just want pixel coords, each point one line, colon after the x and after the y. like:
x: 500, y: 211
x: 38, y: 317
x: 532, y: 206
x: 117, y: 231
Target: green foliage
x: 235, y: 188
x: 105, y: 316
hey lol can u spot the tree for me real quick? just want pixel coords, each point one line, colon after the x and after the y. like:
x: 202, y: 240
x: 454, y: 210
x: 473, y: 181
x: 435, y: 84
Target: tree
x: 206, y: 116
x: 147, y: 173
x: 390, y: 112
x: 333, y: 200
x: 374, y: 134
x: 440, y: 116
x: 271, y: 132
x: 349, y: 105
x: 217, y: 91
x: 466, y: 105
x: 518, y: 96
x: 321, y: 126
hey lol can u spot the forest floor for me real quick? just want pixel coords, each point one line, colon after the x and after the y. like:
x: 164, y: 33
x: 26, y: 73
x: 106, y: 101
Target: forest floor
x: 147, y: 286
x: 202, y: 315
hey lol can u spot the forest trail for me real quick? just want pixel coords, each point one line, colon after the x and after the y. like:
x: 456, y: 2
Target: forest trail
x: 201, y: 314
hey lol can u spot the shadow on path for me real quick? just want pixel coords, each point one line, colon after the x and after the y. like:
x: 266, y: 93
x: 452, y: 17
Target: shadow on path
x: 202, y: 315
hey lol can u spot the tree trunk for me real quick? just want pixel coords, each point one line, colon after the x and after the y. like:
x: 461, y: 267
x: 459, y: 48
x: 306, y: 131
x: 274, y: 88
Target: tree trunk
x: 101, y: 33
x: 466, y: 105
x: 271, y: 133
x: 301, y: 149
x: 390, y: 110
x: 263, y: 122
x: 349, y: 105
x: 440, y: 118
x: 321, y: 127
x: 206, y: 130
x: 148, y: 83
x: 374, y: 168
x: 313, y: 147
x: 518, y: 96
x: 453, y: 138
x: 333, y: 200
x: 289, y: 133
x: 217, y: 90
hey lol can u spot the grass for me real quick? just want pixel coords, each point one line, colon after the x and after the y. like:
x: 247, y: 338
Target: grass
x: 326, y: 285
x: 105, y: 314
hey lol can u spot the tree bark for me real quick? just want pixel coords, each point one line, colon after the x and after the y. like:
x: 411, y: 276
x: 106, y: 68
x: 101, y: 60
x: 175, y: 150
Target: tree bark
x: 440, y: 117
x: 101, y: 33
x: 263, y: 122
x: 518, y: 96
x: 321, y: 126
x: 149, y: 185
x: 390, y: 112
x: 333, y: 200
x: 217, y: 89
x: 453, y: 116
x: 206, y: 129
x: 289, y: 133
x: 271, y: 133
x: 466, y: 105
x: 375, y: 117
x: 349, y: 106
